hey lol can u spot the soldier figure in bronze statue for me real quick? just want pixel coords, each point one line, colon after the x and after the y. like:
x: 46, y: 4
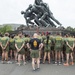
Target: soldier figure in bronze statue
x: 41, y: 15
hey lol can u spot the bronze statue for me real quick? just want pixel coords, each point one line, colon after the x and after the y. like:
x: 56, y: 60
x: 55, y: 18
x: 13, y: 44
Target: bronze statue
x: 41, y: 14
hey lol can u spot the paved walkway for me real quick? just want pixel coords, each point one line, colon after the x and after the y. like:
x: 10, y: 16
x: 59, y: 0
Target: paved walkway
x: 45, y: 69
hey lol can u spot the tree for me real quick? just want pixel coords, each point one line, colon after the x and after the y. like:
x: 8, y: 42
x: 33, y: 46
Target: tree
x: 70, y: 28
x: 74, y: 29
x: 6, y: 28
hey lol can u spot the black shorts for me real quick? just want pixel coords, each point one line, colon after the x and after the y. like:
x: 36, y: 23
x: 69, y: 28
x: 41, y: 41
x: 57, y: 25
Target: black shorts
x: 52, y: 48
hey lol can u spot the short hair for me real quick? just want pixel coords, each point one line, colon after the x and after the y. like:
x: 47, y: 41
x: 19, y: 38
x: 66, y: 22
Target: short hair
x: 20, y: 32
x: 58, y: 33
x: 6, y: 34
x: 35, y: 34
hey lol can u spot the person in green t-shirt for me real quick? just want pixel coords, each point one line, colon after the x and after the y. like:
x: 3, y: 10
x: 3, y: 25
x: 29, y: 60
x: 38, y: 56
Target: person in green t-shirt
x: 12, y: 45
x: 74, y: 43
x: 63, y: 48
x: 52, y: 46
x: 5, y: 47
x: 43, y: 38
x: 0, y: 44
x: 47, y: 44
x: 15, y: 51
x: 19, y: 44
x: 69, y: 50
x: 40, y: 51
x: 27, y: 51
x: 58, y: 46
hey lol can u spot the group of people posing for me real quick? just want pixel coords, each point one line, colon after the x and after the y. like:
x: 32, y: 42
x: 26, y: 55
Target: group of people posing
x: 42, y: 47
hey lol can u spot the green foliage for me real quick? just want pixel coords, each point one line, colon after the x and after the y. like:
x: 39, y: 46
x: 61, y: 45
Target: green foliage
x: 6, y: 28
x: 74, y: 29
x: 70, y: 28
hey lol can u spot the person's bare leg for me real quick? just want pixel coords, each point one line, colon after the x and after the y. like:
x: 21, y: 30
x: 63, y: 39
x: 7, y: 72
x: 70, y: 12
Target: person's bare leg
x: 19, y: 59
x: 55, y: 57
x: 40, y: 54
x: 38, y: 63
x: 6, y: 56
x: 67, y: 60
x: 49, y: 57
x: 16, y: 55
x: 24, y: 59
x: 72, y: 63
x: 59, y: 56
x: 62, y: 56
x: 33, y: 63
x: 11, y: 54
x: 45, y: 54
x: 3, y: 56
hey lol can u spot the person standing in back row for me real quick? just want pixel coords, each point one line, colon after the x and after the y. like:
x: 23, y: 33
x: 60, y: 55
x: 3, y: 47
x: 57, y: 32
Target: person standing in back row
x: 69, y: 50
x: 19, y: 44
x: 47, y: 45
x: 58, y: 48
x: 4, y: 42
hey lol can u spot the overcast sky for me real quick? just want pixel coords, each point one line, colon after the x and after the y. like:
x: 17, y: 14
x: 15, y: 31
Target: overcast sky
x: 63, y: 10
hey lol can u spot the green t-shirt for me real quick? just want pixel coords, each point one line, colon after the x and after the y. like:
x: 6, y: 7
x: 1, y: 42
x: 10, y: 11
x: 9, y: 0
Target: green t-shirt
x: 58, y: 40
x: 52, y: 40
x: 45, y: 42
x: 26, y: 39
x: 43, y: 37
x: 12, y: 42
x: 70, y: 41
x: 51, y: 37
x: 47, y: 45
x: 16, y: 37
x: 64, y: 39
x: 40, y: 37
x: 19, y: 42
x: 4, y: 40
